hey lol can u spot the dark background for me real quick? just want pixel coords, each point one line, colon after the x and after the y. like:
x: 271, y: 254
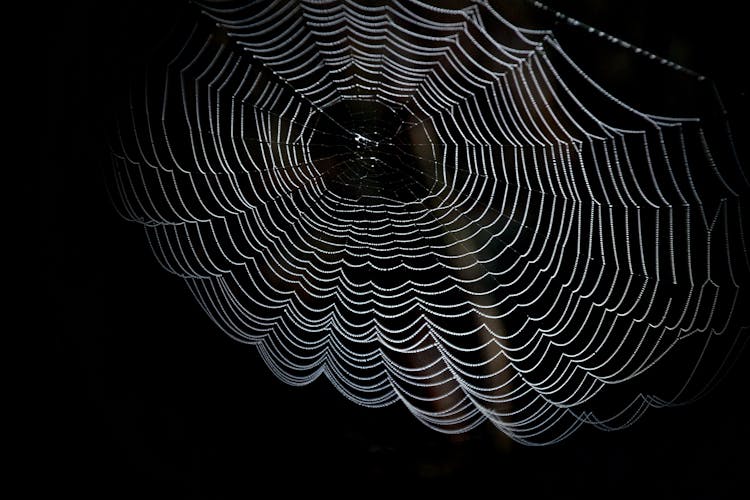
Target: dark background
x: 143, y: 395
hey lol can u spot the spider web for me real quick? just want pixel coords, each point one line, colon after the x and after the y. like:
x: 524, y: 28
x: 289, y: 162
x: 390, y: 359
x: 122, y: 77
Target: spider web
x: 438, y: 207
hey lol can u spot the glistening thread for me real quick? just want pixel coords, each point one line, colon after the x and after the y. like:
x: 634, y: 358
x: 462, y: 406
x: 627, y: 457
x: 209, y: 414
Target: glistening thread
x: 437, y: 207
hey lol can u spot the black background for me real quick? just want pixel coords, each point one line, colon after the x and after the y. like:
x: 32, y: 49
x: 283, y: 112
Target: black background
x: 144, y: 396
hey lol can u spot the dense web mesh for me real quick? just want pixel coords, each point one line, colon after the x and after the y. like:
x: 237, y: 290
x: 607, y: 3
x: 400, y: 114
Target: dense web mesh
x: 436, y: 206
